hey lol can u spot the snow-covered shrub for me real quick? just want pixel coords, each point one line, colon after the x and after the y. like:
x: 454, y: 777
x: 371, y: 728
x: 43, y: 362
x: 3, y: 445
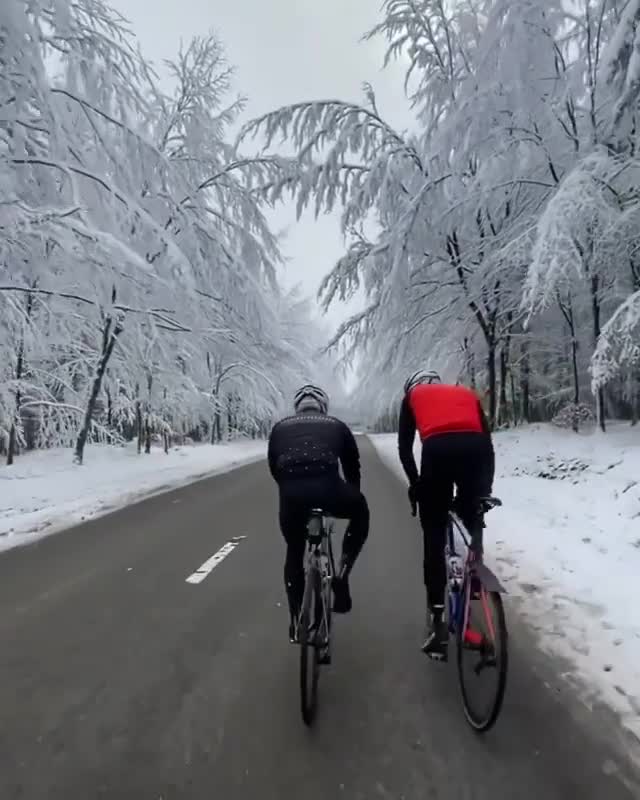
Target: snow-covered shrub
x: 573, y: 415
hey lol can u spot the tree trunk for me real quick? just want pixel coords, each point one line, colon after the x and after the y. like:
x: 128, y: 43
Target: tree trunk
x: 634, y: 394
x: 635, y: 370
x: 566, y: 307
x: 472, y: 370
x: 491, y: 373
x: 13, y: 433
x: 109, y: 408
x: 470, y: 364
x: 149, y: 406
x: 109, y: 339
x: 214, y: 419
x: 504, y: 405
x: 229, y: 419
x: 525, y: 374
x: 574, y: 366
x: 602, y: 415
x: 576, y: 379
x: 595, y: 309
x: 147, y: 436
x: 139, y: 425
x: 576, y: 375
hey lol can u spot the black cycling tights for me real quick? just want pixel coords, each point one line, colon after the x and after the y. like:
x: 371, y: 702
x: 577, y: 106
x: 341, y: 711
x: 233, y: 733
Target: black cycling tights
x: 337, y: 498
x: 463, y: 460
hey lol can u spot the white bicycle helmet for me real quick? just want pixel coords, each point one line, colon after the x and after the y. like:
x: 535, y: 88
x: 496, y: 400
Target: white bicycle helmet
x: 311, y: 398
x: 420, y: 376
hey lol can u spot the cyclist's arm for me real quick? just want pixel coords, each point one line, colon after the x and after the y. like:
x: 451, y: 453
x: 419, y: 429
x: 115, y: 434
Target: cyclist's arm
x: 489, y: 470
x: 350, y: 458
x: 406, y: 435
x: 271, y: 456
x: 483, y: 420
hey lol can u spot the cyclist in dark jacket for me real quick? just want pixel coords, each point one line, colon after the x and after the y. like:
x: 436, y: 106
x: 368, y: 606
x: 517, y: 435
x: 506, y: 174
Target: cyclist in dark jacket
x: 305, y: 453
x: 456, y: 450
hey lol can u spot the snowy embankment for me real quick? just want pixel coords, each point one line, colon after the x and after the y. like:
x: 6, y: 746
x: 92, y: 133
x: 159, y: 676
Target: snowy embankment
x: 567, y: 545
x: 44, y: 492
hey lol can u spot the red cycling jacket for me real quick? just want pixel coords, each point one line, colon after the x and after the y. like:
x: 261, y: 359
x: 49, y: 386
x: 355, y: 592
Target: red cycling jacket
x: 442, y: 408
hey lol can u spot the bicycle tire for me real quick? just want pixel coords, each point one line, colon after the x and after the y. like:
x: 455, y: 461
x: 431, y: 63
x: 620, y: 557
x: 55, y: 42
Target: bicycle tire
x: 483, y: 723
x: 328, y: 597
x: 309, y: 666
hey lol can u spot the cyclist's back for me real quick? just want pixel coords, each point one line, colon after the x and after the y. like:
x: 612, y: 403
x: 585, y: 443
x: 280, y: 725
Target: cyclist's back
x: 310, y: 445
x: 445, y: 408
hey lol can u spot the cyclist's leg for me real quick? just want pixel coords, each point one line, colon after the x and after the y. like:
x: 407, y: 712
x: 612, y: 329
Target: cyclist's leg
x: 435, y: 493
x: 292, y: 524
x: 474, y: 473
x: 351, y: 504
x: 346, y: 502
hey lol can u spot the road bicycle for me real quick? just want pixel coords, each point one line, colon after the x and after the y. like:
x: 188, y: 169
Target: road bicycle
x: 314, y: 622
x: 481, y: 638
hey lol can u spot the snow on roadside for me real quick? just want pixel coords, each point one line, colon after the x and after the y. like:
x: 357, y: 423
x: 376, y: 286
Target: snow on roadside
x: 567, y: 545
x: 44, y: 492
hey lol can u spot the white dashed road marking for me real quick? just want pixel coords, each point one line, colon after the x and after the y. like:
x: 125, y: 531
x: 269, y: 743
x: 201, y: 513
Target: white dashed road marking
x: 211, y: 563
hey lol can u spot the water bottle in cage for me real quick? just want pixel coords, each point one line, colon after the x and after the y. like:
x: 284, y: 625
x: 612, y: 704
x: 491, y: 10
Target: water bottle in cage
x: 455, y: 570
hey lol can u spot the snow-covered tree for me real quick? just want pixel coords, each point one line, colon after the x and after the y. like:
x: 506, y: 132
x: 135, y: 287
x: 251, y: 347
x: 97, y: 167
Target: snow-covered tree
x: 137, y: 271
x: 494, y: 239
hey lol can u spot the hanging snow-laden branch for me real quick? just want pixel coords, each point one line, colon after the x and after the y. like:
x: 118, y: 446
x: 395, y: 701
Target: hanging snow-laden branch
x: 336, y: 132
x: 619, y: 343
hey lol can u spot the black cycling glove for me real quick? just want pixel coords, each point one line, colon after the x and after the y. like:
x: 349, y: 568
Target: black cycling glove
x: 413, y: 498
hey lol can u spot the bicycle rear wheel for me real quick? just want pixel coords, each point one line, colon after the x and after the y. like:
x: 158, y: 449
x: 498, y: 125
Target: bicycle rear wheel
x: 482, y: 652
x: 309, y: 666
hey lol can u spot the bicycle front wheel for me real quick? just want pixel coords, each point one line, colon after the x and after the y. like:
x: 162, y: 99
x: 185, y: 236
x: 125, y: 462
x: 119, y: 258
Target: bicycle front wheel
x: 309, y: 666
x: 482, y: 645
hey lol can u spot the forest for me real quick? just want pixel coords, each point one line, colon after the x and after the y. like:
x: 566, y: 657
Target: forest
x: 496, y: 241
x: 138, y: 290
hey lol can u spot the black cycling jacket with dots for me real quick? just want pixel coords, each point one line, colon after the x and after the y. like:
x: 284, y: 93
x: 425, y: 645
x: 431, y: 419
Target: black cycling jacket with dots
x: 312, y: 445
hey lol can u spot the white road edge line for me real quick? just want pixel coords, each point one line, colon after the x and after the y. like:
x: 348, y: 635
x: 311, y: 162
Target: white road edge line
x: 211, y: 563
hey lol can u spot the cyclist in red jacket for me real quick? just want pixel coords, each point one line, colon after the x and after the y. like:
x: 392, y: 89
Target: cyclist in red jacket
x: 456, y: 450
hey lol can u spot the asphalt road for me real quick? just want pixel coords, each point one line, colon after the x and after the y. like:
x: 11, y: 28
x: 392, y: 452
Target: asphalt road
x: 119, y: 679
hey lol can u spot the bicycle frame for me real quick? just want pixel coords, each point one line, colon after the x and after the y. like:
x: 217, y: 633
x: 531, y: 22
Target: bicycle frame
x: 474, y: 570
x: 319, y: 548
